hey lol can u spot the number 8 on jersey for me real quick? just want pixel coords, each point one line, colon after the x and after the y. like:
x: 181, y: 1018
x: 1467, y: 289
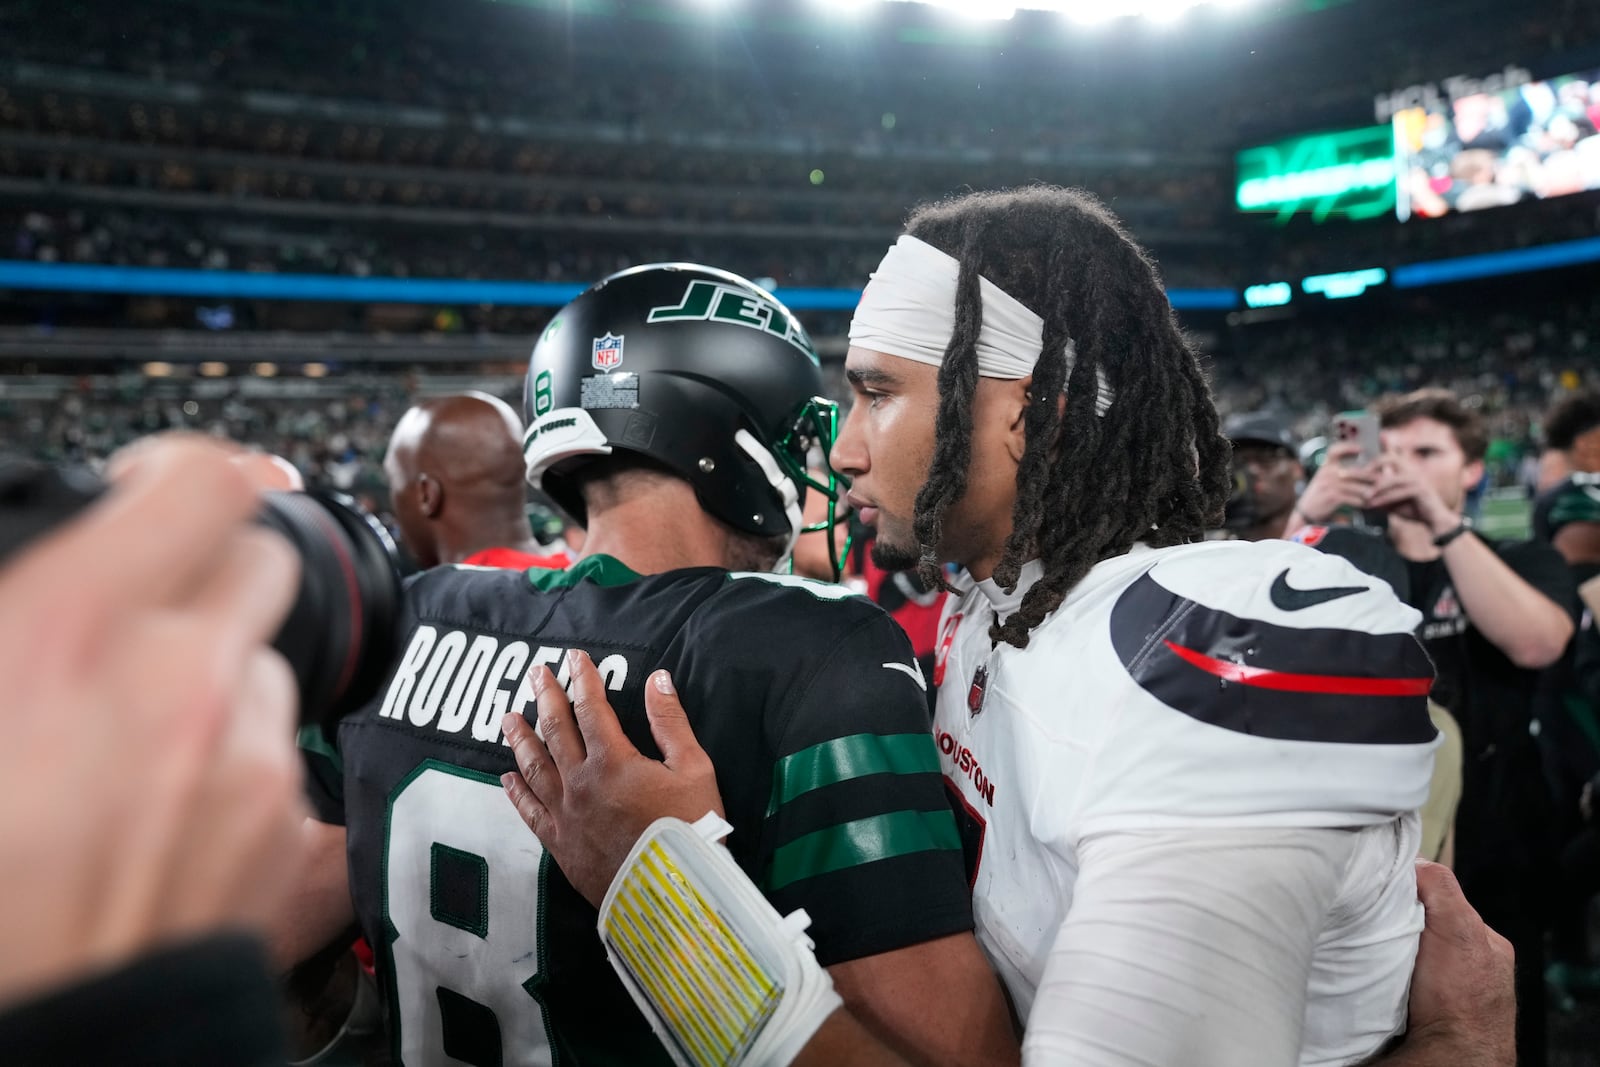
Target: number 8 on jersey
x: 462, y: 881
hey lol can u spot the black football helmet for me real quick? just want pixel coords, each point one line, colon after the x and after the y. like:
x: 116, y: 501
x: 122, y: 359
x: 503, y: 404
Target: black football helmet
x: 698, y: 369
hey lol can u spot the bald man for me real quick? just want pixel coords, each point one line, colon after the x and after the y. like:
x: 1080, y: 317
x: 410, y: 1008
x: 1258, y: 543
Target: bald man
x: 455, y: 474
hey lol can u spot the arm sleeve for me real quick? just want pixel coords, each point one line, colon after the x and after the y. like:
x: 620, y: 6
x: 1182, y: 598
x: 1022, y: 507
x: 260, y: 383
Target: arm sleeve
x: 132, y: 1016
x: 1542, y: 567
x: 1187, y: 947
x: 1237, y: 704
x: 858, y: 829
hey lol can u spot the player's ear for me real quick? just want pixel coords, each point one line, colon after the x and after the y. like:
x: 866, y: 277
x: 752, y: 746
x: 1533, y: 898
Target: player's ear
x: 430, y: 496
x: 1017, y: 395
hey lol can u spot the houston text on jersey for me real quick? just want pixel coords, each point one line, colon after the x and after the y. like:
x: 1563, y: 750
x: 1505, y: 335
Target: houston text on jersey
x: 962, y: 759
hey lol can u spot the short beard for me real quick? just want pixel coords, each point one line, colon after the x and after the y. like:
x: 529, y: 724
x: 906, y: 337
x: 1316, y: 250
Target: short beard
x: 892, y: 557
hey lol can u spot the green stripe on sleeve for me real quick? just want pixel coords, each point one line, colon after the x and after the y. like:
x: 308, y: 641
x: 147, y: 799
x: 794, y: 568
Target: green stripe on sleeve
x: 844, y: 758
x: 1575, y: 505
x: 851, y: 844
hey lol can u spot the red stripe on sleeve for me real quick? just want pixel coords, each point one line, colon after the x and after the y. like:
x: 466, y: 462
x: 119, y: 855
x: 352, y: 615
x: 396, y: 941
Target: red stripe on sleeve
x: 1265, y: 678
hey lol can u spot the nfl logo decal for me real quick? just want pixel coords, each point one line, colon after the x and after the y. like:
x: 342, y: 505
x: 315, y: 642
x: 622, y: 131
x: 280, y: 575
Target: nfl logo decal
x: 980, y: 682
x: 607, y: 352
x: 1310, y: 536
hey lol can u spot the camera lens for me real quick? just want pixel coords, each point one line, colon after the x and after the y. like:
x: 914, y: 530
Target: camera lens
x: 338, y: 637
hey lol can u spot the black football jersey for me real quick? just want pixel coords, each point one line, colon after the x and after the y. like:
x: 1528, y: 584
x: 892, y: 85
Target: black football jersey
x: 808, y: 701
x: 1576, y: 498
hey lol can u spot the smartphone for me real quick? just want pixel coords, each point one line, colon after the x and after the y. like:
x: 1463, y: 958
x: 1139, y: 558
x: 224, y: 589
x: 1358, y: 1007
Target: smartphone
x: 1362, y: 428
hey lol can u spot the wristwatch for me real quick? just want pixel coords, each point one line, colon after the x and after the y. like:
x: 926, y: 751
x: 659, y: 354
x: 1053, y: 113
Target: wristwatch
x: 1450, y: 535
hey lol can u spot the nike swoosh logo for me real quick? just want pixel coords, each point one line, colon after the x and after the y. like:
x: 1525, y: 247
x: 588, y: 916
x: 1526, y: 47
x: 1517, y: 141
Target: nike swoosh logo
x: 1287, y: 598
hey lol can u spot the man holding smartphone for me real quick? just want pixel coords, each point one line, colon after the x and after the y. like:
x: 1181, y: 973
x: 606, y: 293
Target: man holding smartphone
x: 1495, y: 614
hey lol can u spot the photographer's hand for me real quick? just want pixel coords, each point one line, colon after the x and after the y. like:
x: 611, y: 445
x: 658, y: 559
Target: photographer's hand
x: 1334, y: 486
x: 151, y: 784
x: 1402, y: 491
x: 1463, y: 998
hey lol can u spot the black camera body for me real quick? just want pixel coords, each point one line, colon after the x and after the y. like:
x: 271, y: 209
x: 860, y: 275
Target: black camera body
x: 338, y: 637
x: 1243, y: 510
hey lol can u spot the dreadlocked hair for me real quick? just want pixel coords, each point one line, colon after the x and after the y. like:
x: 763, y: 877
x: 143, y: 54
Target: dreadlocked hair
x: 1155, y: 468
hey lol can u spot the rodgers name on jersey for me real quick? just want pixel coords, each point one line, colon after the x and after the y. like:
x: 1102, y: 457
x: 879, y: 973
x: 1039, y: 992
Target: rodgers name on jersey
x: 449, y: 679
x: 1218, y: 686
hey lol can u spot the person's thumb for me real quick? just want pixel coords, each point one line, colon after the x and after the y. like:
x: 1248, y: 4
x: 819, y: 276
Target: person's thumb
x: 669, y: 723
x: 1448, y: 913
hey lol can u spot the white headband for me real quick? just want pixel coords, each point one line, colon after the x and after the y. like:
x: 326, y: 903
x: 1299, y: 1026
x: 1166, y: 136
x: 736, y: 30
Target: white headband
x: 908, y: 309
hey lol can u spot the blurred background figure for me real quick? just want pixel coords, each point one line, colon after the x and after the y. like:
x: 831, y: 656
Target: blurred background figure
x: 1267, y: 476
x: 1567, y: 516
x: 457, y: 485
x: 1495, y: 615
x: 1569, y: 445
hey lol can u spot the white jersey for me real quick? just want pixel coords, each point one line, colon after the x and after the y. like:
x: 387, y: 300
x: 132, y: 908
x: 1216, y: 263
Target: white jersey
x: 1220, y: 688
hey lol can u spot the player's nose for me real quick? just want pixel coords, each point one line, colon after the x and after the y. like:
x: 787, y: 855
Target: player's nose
x: 849, y: 455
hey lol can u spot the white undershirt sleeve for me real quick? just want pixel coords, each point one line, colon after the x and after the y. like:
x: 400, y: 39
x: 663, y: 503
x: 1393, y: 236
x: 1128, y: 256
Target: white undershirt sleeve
x: 1187, y: 947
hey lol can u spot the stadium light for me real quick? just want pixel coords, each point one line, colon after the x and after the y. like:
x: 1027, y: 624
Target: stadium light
x: 157, y: 369
x: 1083, y: 11
x: 213, y: 369
x: 995, y: 10
x: 1345, y: 284
x: 1164, y: 11
x: 1268, y: 295
x: 850, y: 8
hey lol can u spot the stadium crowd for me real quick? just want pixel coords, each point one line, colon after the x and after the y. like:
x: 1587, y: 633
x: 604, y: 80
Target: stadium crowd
x: 335, y: 443
x: 130, y: 237
x: 454, y: 66
x: 432, y: 55
x: 1508, y: 360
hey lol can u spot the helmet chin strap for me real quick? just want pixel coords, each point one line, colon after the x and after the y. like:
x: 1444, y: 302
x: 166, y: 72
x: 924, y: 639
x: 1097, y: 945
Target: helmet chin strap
x: 781, y: 483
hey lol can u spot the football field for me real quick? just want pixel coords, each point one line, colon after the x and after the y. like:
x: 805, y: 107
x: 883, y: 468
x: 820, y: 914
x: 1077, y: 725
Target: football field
x: 1506, y: 513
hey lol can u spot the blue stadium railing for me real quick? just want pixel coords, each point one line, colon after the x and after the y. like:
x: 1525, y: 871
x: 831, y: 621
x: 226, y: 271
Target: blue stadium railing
x: 245, y: 285
x: 1491, y: 264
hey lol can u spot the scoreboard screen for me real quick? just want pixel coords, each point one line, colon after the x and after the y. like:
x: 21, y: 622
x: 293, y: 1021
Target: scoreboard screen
x: 1466, y: 151
x: 1347, y: 173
